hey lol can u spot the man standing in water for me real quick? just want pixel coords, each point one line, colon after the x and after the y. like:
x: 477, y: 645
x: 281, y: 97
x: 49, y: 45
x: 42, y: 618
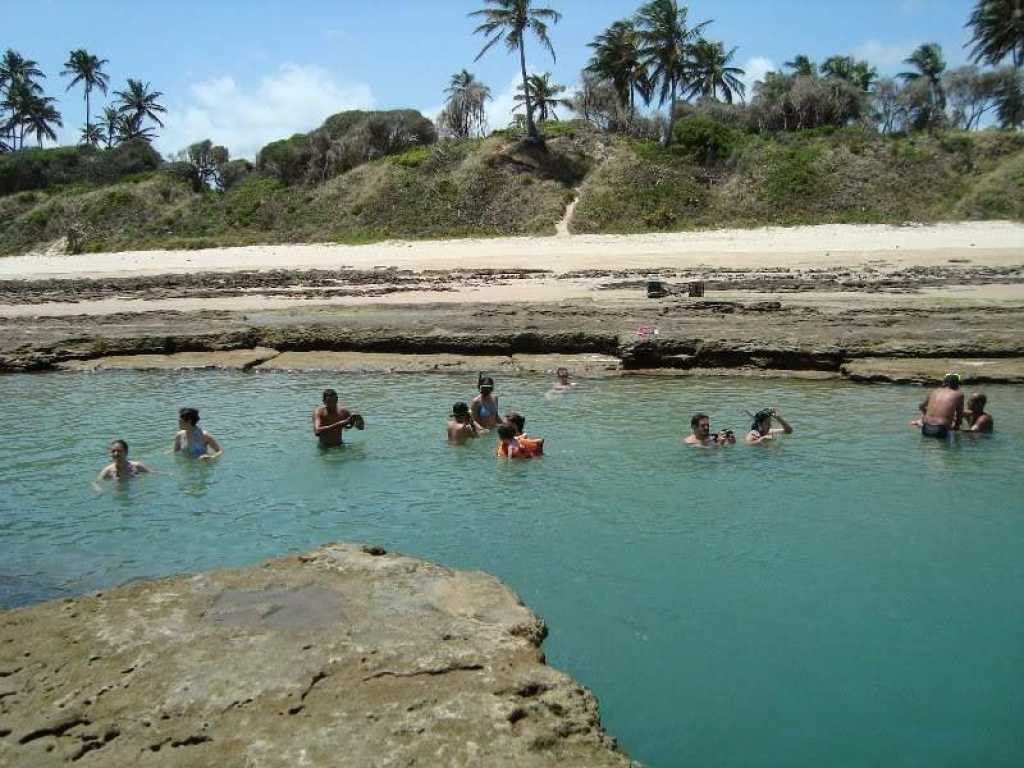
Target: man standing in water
x: 945, y: 408
x: 329, y: 420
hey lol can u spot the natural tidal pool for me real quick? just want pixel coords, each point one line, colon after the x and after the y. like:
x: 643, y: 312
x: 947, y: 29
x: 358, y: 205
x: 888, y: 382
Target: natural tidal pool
x: 853, y: 595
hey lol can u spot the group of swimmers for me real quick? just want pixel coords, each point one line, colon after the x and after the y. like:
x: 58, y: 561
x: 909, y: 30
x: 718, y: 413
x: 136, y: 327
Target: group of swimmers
x: 943, y: 412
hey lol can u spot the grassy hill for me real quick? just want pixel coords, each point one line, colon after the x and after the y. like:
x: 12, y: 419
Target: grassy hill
x: 499, y: 186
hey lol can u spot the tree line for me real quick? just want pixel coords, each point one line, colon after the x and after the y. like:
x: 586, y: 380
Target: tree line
x: 657, y: 54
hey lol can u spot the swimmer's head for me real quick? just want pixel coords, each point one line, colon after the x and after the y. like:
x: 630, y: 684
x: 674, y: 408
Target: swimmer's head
x: 517, y: 420
x: 485, y: 384
x: 460, y: 410
x: 951, y: 380
x: 506, y: 432
x: 762, y: 421
x: 976, y: 403
x: 330, y: 396
x: 188, y: 416
x: 117, y: 449
x: 700, y: 424
x: 563, y: 375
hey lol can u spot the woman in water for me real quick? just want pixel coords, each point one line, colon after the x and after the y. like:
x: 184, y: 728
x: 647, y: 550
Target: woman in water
x: 192, y: 441
x: 121, y: 468
x: 484, y: 407
x: 761, y: 430
x: 563, y: 383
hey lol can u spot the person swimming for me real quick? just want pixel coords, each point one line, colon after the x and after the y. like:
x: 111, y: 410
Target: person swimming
x: 330, y: 420
x: 977, y: 419
x: 944, y: 410
x: 192, y: 441
x: 121, y: 468
x: 761, y: 430
x: 461, y: 426
x: 484, y: 406
x: 562, y: 381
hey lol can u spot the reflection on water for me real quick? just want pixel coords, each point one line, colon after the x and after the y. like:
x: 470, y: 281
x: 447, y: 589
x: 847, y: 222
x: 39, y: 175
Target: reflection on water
x: 853, y: 590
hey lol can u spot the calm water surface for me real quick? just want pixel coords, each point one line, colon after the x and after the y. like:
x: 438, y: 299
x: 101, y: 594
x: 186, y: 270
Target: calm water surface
x: 851, y: 596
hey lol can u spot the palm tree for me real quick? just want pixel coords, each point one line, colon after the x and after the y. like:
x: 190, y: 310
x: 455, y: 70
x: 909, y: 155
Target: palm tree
x: 91, y: 135
x: 617, y: 59
x: 666, y: 46
x: 860, y: 73
x: 88, y: 70
x: 1010, y: 98
x: 930, y: 65
x: 545, y: 97
x: 110, y: 125
x: 135, y: 105
x: 38, y: 117
x: 998, y: 27
x: 802, y: 66
x: 711, y: 72
x: 464, y: 113
x: 15, y: 69
x: 509, y: 20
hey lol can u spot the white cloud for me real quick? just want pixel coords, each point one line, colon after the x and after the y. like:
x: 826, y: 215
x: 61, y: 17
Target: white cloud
x: 499, y: 109
x: 883, y: 55
x: 295, y: 99
x: 755, y: 69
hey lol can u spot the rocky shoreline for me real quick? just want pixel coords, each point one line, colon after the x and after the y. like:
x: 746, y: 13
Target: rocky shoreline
x: 344, y: 656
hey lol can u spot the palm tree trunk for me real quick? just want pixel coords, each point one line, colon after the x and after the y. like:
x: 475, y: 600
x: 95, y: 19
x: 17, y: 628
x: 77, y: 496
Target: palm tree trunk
x: 531, y: 128
x: 87, y: 120
x: 671, y: 115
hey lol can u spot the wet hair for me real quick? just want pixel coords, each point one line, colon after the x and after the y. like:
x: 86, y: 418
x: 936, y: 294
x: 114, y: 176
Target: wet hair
x: 516, y: 419
x: 697, y: 418
x: 329, y: 393
x: 951, y: 380
x: 505, y: 432
x: 561, y: 370
x: 191, y: 415
x: 979, y: 399
x: 124, y: 445
x: 460, y: 409
x: 484, y: 381
x: 765, y: 414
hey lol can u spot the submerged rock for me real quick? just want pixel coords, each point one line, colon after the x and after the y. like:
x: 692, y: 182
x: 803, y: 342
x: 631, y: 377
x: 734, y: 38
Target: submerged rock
x: 345, y: 656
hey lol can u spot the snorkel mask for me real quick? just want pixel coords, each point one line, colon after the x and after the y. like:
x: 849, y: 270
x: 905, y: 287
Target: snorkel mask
x: 763, y: 415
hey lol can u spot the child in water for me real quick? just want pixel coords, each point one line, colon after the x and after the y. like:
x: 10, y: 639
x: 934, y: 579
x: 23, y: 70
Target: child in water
x: 192, y: 441
x: 533, y: 445
x: 485, y: 405
x: 508, y: 446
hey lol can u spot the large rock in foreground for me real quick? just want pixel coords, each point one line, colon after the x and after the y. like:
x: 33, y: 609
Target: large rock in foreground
x: 336, y: 658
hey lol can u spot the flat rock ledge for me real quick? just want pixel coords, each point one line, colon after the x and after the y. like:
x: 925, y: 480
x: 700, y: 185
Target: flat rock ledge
x: 347, y: 656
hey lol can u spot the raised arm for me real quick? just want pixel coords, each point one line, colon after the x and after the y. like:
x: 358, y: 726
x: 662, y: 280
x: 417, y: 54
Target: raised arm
x: 786, y: 428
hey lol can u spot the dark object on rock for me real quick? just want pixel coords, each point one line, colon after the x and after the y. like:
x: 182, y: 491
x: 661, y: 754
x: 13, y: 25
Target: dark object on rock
x: 655, y: 289
x: 697, y: 289
x: 373, y: 549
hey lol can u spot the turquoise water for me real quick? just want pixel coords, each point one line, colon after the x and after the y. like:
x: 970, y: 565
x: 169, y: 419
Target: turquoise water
x: 851, y: 596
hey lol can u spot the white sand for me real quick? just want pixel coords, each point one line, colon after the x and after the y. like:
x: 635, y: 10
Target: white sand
x: 984, y: 243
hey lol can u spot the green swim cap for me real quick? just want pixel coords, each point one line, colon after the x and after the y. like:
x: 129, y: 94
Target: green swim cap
x: 952, y: 380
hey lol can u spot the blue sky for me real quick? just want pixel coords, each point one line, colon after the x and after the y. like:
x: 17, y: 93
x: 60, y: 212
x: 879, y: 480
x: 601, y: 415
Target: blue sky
x: 244, y: 73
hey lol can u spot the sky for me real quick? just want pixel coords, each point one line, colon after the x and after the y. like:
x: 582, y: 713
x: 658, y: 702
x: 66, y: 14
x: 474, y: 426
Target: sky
x: 244, y: 73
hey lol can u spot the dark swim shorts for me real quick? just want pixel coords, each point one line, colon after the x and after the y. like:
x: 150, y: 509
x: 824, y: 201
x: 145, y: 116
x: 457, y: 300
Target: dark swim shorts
x: 940, y: 431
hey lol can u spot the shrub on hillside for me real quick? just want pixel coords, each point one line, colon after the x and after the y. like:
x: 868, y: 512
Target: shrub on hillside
x: 42, y: 168
x: 343, y: 142
x: 705, y: 140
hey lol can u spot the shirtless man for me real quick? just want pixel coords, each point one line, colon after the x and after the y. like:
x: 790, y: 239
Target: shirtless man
x: 977, y: 419
x: 329, y: 420
x: 121, y: 468
x: 701, y: 426
x: 945, y: 409
x: 461, y: 426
